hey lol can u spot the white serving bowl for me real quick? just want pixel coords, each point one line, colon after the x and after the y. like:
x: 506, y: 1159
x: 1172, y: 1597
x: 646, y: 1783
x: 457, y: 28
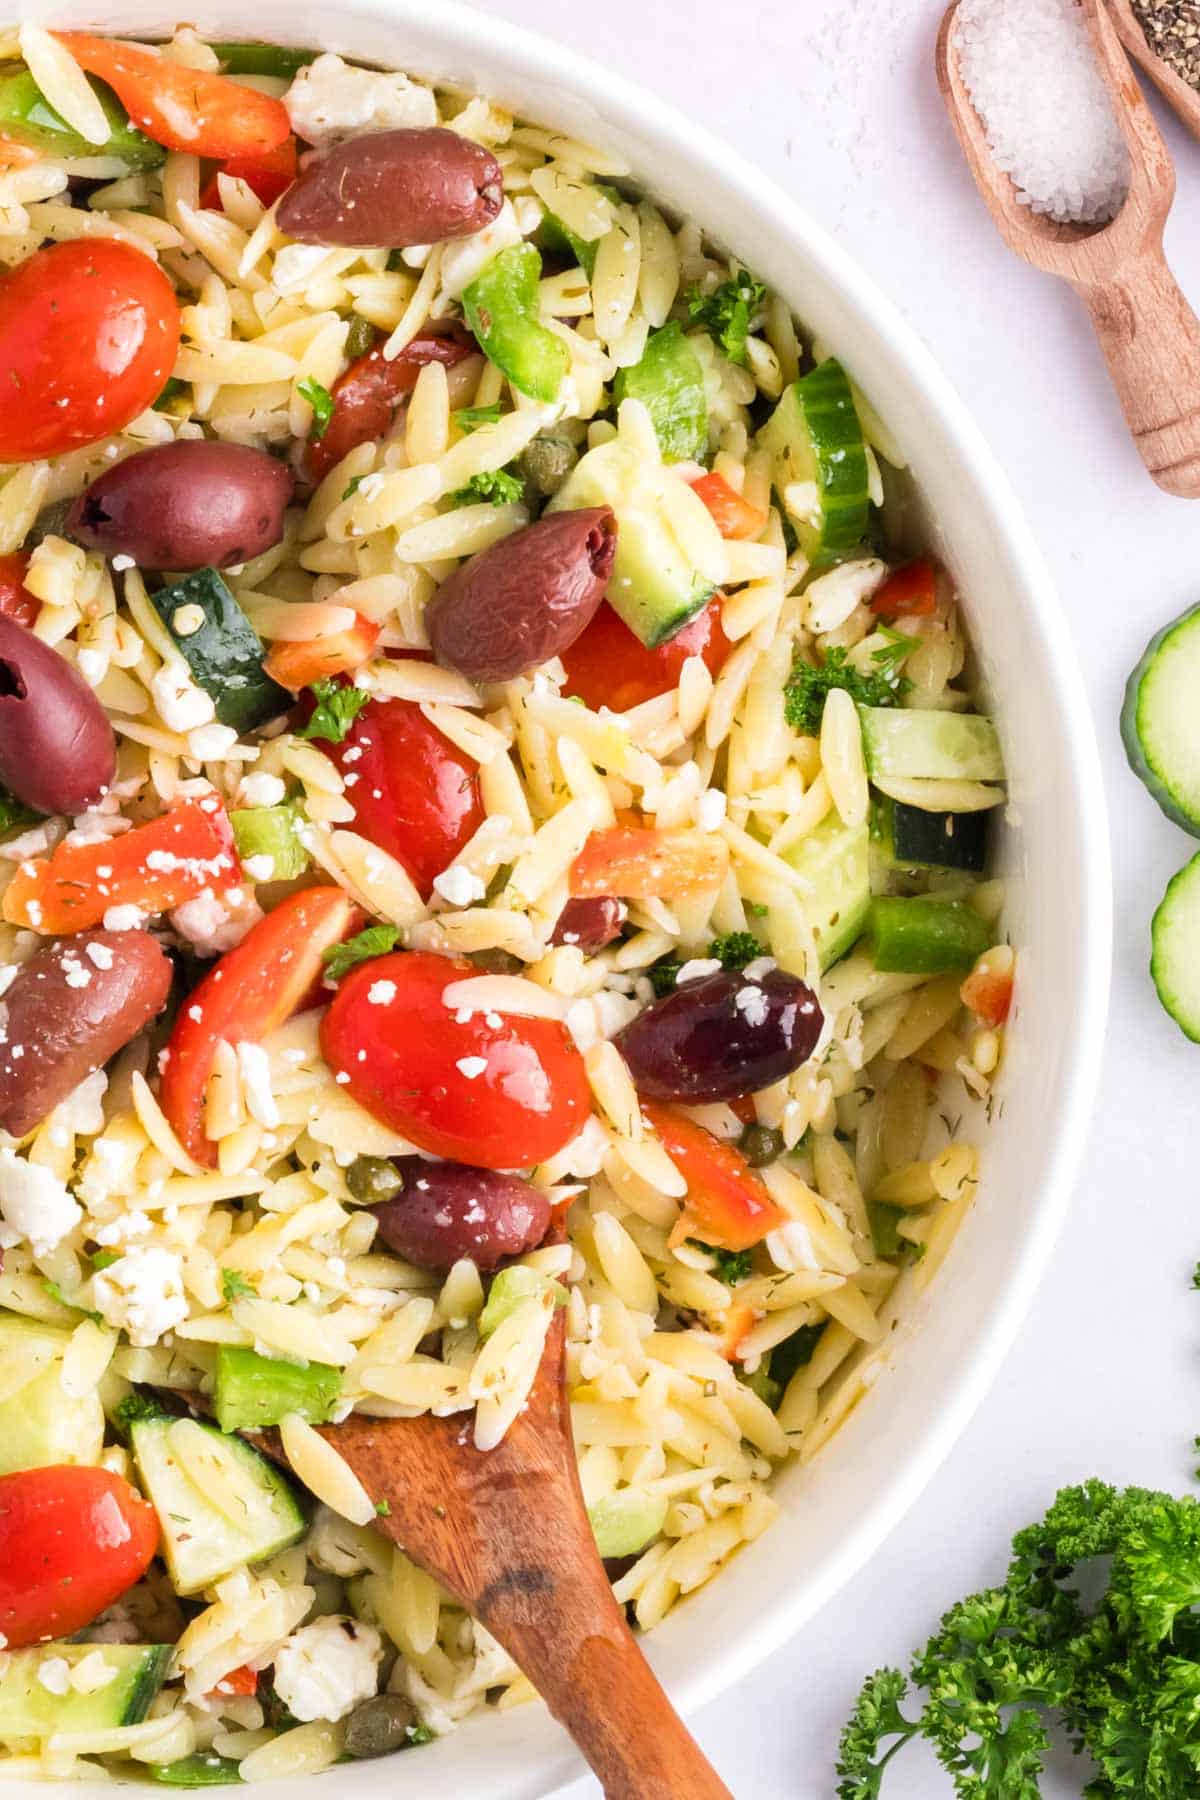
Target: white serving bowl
x: 836, y: 1512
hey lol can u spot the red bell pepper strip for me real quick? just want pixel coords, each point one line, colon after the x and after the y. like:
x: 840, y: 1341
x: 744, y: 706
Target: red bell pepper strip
x: 274, y: 972
x: 365, y: 398
x: 299, y: 665
x: 909, y: 592
x: 186, y: 851
x: 988, y: 989
x: 732, y: 516
x: 641, y: 863
x: 727, y: 1204
x: 184, y: 109
x: 266, y: 176
x: 16, y: 602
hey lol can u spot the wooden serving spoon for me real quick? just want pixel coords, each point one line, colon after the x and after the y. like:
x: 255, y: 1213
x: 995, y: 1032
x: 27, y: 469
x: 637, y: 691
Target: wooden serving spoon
x: 506, y: 1532
x: 1182, y: 96
x: 1149, y: 334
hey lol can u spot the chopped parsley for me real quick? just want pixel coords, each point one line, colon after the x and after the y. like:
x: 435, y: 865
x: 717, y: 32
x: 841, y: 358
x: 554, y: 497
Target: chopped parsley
x: 732, y: 1265
x: 885, y: 1235
x: 56, y: 1293
x: 376, y: 940
x: 663, y: 976
x: 383, y: 1509
x: 135, y: 1407
x: 321, y: 401
x: 103, y: 1259
x: 13, y: 815
x: 171, y: 391
x: 235, y: 1286
x: 470, y: 418
x: 728, y: 311
x: 336, y: 710
x: 735, y: 949
x: 419, y: 1734
x: 494, y: 485
x: 1196, y: 1276
x: 352, y: 486
x: 882, y: 685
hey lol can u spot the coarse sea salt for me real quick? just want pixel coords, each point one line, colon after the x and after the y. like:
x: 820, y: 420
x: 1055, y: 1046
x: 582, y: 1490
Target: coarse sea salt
x: 1031, y: 71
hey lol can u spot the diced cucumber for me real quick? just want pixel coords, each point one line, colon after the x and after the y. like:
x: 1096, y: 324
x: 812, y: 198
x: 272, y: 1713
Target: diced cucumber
x: 225, y: 654
x: 1158, y: 720
x: 229, y: 1506
x: 29, y: 1709
x: 272, y: 831
x: 926, y: 936
x: 913, y: 839
x: 204, y: 1769
x: 930, y: 746
x: 625, y: 1522
x: 509, y: 1288
x: 27, y: 117
x: 814, y: 436
x: 1175, y: 949
x: 40, y: 1423
x: 835, y: 858
x: 655, y: 587
x: 669, y: 381
x: 254, y: 1391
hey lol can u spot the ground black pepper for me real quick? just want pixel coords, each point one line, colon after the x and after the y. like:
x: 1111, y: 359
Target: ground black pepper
x: 1172, y: 29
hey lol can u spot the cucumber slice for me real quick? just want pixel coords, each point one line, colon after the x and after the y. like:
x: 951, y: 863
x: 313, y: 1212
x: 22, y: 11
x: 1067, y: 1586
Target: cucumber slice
x: 655, y: 587
x: 926, y: 936
x: 254, y: 1391
x: 835, y: 858
x: 29, y: 1709
x: 225, y: 655
x: 220, y: 1503
x: 1175, y: 949
x: 204, y: 1769
x: 814, y: 436
x: 669, y: 381
x: 40, y: 1424
x: 625, y: 1522
x: 913, y: 839
x: 930, y: 746
x: 1158, y: 720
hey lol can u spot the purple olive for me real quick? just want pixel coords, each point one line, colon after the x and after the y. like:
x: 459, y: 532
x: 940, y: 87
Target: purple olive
x: 57, y: 750
x: 526, y: 599
x: 394, y: 187
x: 590, y: 924
x: 722, y: 1036
x: 74, y: 1004
x: 446, y: 1211
x: 188, y: 505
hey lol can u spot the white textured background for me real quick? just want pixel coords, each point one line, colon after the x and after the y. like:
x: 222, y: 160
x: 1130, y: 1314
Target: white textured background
x: 836, y: 100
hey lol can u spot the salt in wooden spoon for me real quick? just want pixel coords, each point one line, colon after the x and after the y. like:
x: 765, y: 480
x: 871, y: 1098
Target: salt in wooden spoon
x: 506, y: 1533
x: 1149, y: 334
x: 1181, y: 95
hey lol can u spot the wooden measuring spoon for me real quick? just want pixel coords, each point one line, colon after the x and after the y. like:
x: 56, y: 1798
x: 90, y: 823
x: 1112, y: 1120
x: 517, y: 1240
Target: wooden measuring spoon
x: 1182, y: 96
x: 1149, y: 334
x: 506, y: 1532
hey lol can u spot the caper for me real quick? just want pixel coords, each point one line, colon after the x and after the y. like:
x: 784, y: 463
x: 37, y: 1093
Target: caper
x: 761, y: 1144
x: 546, y: 462
x: 497, y: 962
x: 380, y: 1726
x: 50, y: 522
x: 373, y: 1178
x: 359, y: 338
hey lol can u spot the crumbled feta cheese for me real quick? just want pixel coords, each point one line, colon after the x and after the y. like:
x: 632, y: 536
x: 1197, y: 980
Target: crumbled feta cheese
x: 710, y: 809
x: 752, y: 1003
x: 381, y: 993
x: 330, y: 99
x: 92, y: 665
x: 34, y: 842
x: 471, y: 1066
x: 459, y: 886
x: 99, y: 955
x: 211, y: 926
x: 261, y: 789
x: 82, y: 1112
x: 209, y: 743
x: 762, y: 965
x: 254, y: 1067
x: 121, y: 562
x: 697, y: 968
x: 325, y: 1669
x: 34, y: 1205
x: 180, y: 704
x: 123, y: 918
x: 463, y: 258
x: 142, y: 1294
x: 55, y: 1674
x: 259, y: 868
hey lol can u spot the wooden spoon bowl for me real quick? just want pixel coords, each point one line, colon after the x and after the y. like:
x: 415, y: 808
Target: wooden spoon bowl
x: 1149, y: 334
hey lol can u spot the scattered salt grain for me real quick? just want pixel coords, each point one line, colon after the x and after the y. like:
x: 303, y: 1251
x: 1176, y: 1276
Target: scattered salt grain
x: 1031, y: 72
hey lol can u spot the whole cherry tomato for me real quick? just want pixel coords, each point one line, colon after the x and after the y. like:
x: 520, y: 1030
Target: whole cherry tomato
x: 72, y: 1539
x: 608, y: 666
x: 501, y: 1096
x: 413, y: 793
x: 88, y: 336
x: 16, y: 602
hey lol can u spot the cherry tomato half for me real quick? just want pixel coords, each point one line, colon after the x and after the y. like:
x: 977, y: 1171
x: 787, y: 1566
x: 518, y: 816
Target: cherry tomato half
x: 88, y: 336
x: 608, y: 666
x: 500, y: 1096
x: 72, y: 1539
x: 16, y: 602
x: 727, y: 1203
x: 413, y: 793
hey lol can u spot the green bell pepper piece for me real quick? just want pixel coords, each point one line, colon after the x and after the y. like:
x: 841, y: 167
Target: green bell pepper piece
x: 262, y: 59
x: 501, y: 307
x: 670, y: 381
x: 203, y: 1769
x: 926, y: 936
x: 26, y: 117
x: 272, y: 831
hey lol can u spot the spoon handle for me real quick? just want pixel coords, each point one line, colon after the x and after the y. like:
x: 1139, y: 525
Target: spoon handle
x: 570, y: 1637
x: 1151, y: 340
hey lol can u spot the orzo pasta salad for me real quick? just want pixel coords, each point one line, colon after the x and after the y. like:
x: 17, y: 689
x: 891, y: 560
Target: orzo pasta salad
x: 478, y: 768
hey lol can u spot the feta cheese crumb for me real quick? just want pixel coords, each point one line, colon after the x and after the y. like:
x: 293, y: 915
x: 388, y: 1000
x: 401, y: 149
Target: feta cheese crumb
x: 752, y: 1003
x: 331, y: 99
x: 254, y: 1067
x: 697, y: 968
x: 381, y: 993
x: 259, y: 868
x: 261, y: 789
x: 55, y: 1674
x: 459, y: 886
x: 142, y: 1294
x: 34, y: 1205
x: 123, y: 918
x: 121, y: 562
x: 710, y: 809
x: 179, y: 703
x: 325, y: 1669
x: 471, y: 1066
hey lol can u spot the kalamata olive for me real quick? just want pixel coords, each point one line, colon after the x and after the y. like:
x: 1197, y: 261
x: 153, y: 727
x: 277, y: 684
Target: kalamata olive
x: 761, y: 1145
x: 526, y: 599
x: 57, y: 750
x: 722, y: 1036
x: 373, y: 1178
x: 379, y: 1726
x: 449, y: 1210
x: 589, y: 923
x: 74, y: 1004
x: 395, y: 188
x: 188, y: 505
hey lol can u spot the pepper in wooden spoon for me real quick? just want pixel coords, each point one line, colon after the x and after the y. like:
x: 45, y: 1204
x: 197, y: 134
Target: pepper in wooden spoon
x: 1149, y: 334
